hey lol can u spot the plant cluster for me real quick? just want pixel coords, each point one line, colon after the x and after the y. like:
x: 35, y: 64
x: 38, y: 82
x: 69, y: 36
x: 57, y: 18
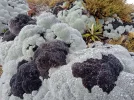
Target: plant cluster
x: 15, y: 25
x: 102, y: 72
x: 98, y: 8
x: 38, y: 2
x: 50, y: 3
x: 4, y: 30
x: 50, y: 55
x: 26, y: 79
x: 54, y: 2
x: 37, y: 6
x: 93, y: 33
x: 107, y: 8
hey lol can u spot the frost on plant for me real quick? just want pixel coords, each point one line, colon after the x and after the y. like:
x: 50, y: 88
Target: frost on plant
x: 102, y: 72
x: 17, y: 23
x: 25, y: 80
x: 49, y: 55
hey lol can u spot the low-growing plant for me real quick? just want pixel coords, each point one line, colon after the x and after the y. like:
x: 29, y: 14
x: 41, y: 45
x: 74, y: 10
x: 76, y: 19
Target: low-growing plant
x: 98, y: 8
x: 4, y: 30
x: 54, y: 2
x: 38, y: 6
x: 50, y: 3
x: 93, y: 33
x: 130, y: 45
x: 107, y: 8
x: 38, y: 2
x: 126, y: 41
x: 118, y: 41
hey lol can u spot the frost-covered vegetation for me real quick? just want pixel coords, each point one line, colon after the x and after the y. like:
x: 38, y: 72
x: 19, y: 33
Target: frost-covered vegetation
x: 10, y: 9
x: 67, y: 53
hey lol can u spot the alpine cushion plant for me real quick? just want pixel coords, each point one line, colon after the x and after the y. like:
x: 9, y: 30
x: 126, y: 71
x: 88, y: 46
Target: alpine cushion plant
x: 102, y: 72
